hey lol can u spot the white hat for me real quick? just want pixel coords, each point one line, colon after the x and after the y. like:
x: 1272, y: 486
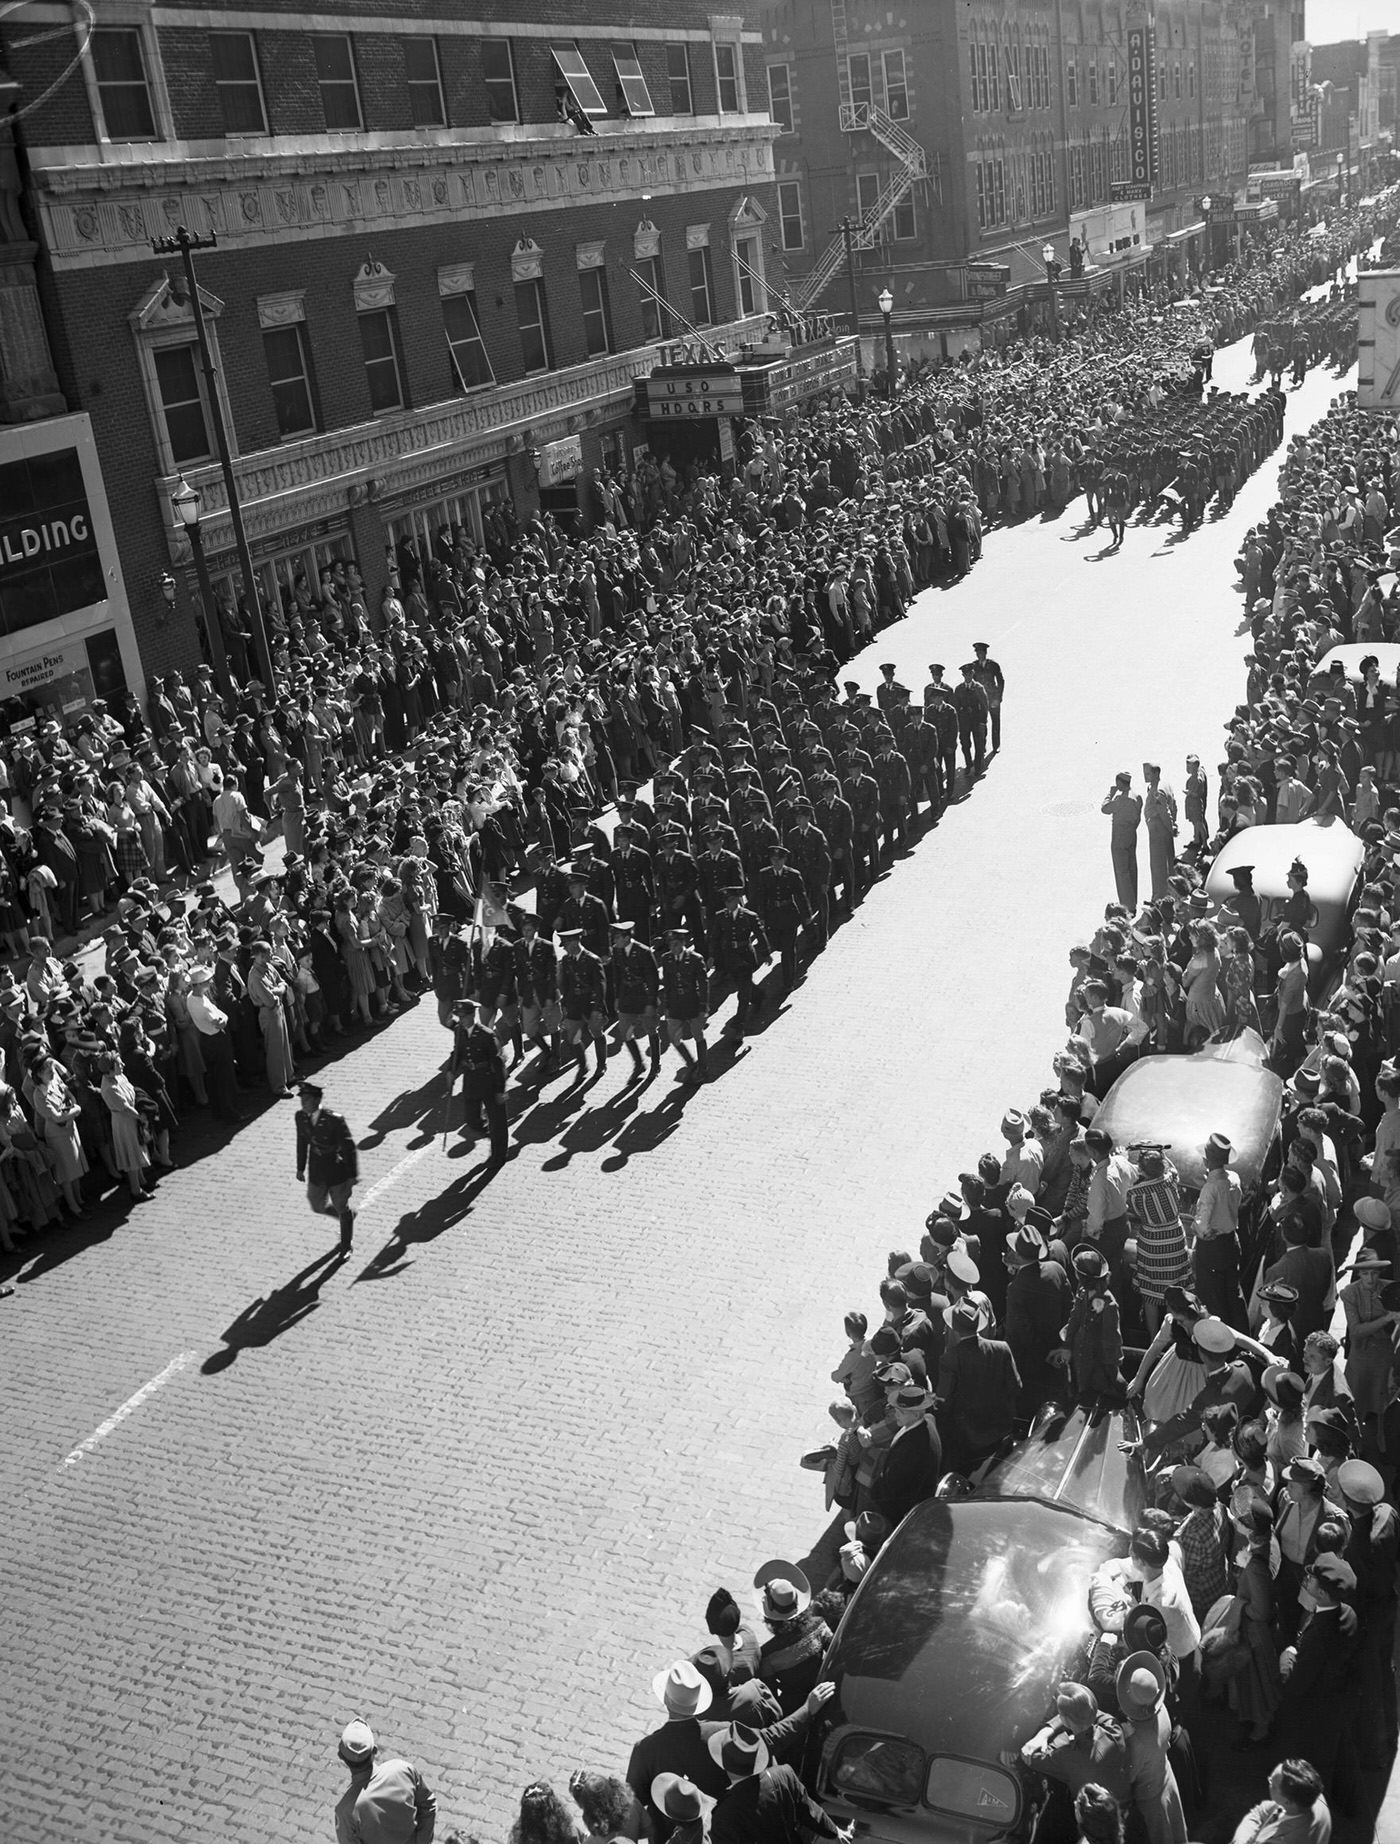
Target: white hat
x: 682, y: 1689
x: 356, y: 1742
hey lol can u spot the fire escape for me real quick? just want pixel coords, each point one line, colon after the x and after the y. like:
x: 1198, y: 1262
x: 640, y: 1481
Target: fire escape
x: 912, y: 169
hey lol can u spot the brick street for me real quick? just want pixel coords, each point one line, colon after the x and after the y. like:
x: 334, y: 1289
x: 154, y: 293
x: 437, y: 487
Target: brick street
x: 478, y: 1485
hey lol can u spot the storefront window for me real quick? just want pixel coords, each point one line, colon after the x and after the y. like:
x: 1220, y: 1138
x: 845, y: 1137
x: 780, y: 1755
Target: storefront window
x: 466, y: 508
x: 287, y: 578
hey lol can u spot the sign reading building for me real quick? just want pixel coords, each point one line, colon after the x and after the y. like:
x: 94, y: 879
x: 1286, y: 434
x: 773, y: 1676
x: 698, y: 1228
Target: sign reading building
x: 49, y: 561
x: 1378, y: 341
x: 1142, y: 113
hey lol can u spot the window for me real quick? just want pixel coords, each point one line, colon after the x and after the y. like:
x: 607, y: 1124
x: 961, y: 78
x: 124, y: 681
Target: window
x: 636, y: 98
x: 993, y: 78
x: 972, y: 80
x: 727, y: 78
x: 780, y: 96
x: 678, y: 76
x: 531, y: 316
x: 471, y: 367
x: 1112, y: 82
x: 790, y: 213
x: 335, y: 72
x: 867, y: 194
x: 981, y: 196
x: 1092, y: 73
x: 289, y: 373
x: 236, y: 80
x: 1071, y: 85
x: 748, y: 270
x: 858, y: 65
x: 571, y: 67
x: 905, y: 224
x: 1013, y: 78
x: 1191, y: 78
x: 702, y: 292
x: 119, y: 65
x: 183, y: 403
x: 1176, y: 80
x: 997, y: 191
x: 379, y: 339
x: 425, y: 105
x: 498, y: 74
x: 983, y: 99
x: 896, y: 88
x: 656, y: 322
x: 597, y: 320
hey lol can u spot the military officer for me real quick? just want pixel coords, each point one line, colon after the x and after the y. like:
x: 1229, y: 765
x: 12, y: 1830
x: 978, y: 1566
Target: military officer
x: 970, y: 702
x: 896, y: 792
x: 889, y: 691
x: 740, y: 948
x: 478, y: 1055
x: 582, y: 1000
x: 785, y: 909
x: 811, y: 855
x: 633, y: 882
x: 585, y: 912
x: 635, y: 987
x: 989, y: 675
x: 942, y: 713
x: 537, y: 985
x: 685, y: 992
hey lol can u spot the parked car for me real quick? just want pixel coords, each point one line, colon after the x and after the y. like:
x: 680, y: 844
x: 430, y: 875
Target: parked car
x: 1333, y: 855
x: 1179, y: 1101
x: 1385, y: 652
x: 948, y: 1657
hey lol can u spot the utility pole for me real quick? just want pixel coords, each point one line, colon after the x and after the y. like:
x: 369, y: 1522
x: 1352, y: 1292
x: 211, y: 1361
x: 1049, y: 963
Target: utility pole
x: 848, y: 230
x: 184, y: 245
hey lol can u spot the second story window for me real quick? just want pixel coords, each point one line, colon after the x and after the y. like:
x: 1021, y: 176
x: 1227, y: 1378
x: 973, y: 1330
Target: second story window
x: 498, y: 74
x: 597, y: 320
x: 678, y: 78
x: 420, y: 58
x: 790, y: 213
x: 727, y: 77
x: 702, y: 287
x: 237, y: 81
x: 656, y: 321
x: 379, y: 341
x: 632, y: 85
x: 335, y: 73
x: 532, y: 318
x: 1092, y: 73
x: 780, y: 95
x: 578, y: 79
x: 896, y: 88
x: 119, y: 65
x: 471, y: 364
x: 183, y: 404
x: 289, y: 373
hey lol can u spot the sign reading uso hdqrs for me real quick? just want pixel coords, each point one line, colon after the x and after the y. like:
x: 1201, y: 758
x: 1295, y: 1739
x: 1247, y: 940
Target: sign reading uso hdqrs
x: 697, y: 394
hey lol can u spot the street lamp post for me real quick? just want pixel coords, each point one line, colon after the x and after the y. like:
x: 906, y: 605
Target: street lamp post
x: 186, y: 502
x: 886, y: 303
x: 184, y: 245
x: 1047, y: 256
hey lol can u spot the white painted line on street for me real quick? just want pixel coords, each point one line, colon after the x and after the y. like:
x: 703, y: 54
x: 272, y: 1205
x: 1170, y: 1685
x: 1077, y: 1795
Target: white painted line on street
x: 130, y: 1406
x: 381, y: 1185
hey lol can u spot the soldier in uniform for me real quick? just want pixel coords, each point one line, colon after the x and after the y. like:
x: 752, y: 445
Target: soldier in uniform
x: 447, y: 966
x: 889, y: 691
x: 586, y: 912
x: 1115, y: 501
x: 740, y: 949
x: 715, y: 870
x: 784, y: 907
x: 685, y: 992
x: 496, y: 989
x: 635, y: 986
x: 970, y: 702
x: 832, y: 814
x: 942, y: 713
x: 756, y: 835
x: 633, y: 883
x: 989, y: 675
x: 582, y: 999
x: 675, y: 881
x: 478, y: 1055
x: 863, y: 793
x: 811, y: 855
x: 328, y: 1161
x: 918, y: 742
x: 551, y: 892
x: 537, y: 986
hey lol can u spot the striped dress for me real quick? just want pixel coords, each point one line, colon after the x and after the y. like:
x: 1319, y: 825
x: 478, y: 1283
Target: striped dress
x: 1154, y: 1211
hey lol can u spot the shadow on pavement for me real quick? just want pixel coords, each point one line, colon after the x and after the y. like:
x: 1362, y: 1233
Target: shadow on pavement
x: 432, y: 1219
x: 267, y: 1318
x: 414, y: 1107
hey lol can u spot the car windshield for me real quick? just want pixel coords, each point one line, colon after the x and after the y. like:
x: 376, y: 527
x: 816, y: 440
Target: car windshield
x: 958, y: 1635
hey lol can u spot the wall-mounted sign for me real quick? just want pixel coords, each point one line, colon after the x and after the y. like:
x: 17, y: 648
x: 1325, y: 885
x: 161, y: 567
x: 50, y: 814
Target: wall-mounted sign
x: 561, y: 461
x: 1142, y: 108
x: 985, y: 281
x: 807, y: 377
x: 49, y: 561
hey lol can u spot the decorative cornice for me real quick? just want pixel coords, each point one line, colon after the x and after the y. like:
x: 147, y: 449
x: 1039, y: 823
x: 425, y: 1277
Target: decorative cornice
x: 97, y: 215
x: 319, y: 477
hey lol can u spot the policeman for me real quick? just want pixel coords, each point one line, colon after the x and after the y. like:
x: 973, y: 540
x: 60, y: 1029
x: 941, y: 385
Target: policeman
x: 635, y: 987
x: 478, y: 1055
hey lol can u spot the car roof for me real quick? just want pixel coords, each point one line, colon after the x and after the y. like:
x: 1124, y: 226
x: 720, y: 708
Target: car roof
x: 1179, y: 1101
x: 967, y: 1616
x: 1351, y: 653
x: 1330, y: 849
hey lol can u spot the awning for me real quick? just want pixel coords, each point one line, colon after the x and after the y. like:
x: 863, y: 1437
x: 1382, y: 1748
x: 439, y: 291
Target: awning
x: 1188, y: 230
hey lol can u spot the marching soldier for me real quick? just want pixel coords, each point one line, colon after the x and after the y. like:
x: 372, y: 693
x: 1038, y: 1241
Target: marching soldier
x: 633, y: 881
x: 675, y: 881
x: 784, y: 906
x: 970, y: 702
x: 740, y: 949
x: 811, y: 856
x: 892, y: 778
x: 551, y: 892
x: 447, y: 966
x: 635, y: 988
x: 477, y: 1054
x: 537, y: 986
x: 756, y: 835
x: 834, y: 820
x: 863, y: 793
x: 685, y: 990
x: 889, y: 692
x: 585, y: 913
x: 498, y: 994
x: 715, y: 870
x: 918, y: 743
x: 942, y: 713
x: 582, y: 1000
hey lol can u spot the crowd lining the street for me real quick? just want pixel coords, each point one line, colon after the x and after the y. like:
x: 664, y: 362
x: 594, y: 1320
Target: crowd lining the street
x: 419, y: 767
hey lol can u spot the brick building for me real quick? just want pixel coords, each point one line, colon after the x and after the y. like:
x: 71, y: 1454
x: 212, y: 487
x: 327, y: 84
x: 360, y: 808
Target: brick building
x: 964, y: 138
x: 425, y: 294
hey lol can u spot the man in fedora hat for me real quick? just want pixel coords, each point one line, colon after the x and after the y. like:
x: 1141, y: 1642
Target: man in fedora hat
x: 790, y: 1660
x: 678, y: 1746
x: 1037, y: 1306
x: 764, y: 1802
x: 682, y: 1803
x: 1142, y: 1698
x: 913, y: 1461
x: 387, y: 1801
x: 1320, y: 1682
x: 979, y: 1388
x: 1216, y: 1257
